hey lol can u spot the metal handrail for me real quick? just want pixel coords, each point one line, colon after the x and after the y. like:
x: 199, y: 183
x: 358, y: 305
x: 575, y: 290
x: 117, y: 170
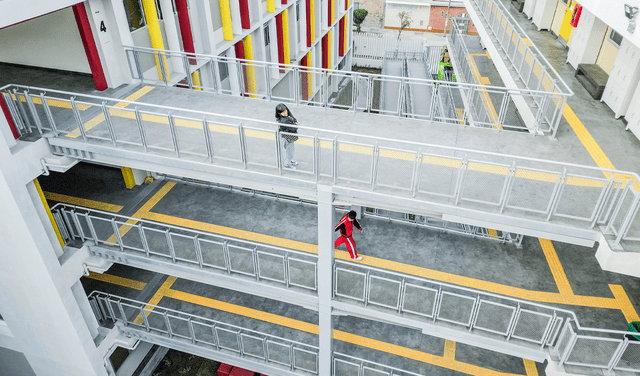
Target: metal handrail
x: 514, y: 24
x: 306, y: 69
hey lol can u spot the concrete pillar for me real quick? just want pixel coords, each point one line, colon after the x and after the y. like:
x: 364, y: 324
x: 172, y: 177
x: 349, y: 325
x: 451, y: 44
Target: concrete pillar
x: 326, y: 253
x: 171, y: 31
x: 586, y: 41
x: 43, y: 316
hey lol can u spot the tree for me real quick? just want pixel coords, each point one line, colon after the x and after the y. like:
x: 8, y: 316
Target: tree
x: 358, y: 17
x: 405, y: 21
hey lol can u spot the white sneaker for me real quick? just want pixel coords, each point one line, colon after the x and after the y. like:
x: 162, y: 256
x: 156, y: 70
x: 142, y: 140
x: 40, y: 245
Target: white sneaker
x: 290, y: 167
x: 357, y: 258
x: 294, y: 163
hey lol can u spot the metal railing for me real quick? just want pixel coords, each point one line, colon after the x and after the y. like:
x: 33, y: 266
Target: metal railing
x: 532, y: 67
x: 541, y: 190
x: 491, y: 315
x: 212, y: 334
x: 180, y: 245
x: 375, y: 46
x: 345, y: 90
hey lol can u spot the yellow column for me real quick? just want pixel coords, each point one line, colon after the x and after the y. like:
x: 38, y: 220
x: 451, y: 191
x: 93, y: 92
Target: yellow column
x: 313, y: 20
x: 332, y: 16
x: 46, y: 207
x: 127, y: 174
x: 329, y: 49
x: 309, y: 76
x: 285, y: 36
x: 271, y: 6
x: 195, y: 79
x: 151, y: 15
x: 346, y: 31
x: 225, y: 14
x: 251, y: 72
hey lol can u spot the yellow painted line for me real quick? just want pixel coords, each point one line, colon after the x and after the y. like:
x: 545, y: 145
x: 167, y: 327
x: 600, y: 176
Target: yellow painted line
x: 527, y: 41
x: 626, y: 307
x: 127, y: 175
x: 156, y: 298
x: 492, y: 232
x: 449, y: 349
x: 114, y: 279
x: 228, y: 231
x: 485, y: 95
x: 83, y: 202
x: 53, y: 102
x: 556, y: 267
x: 100, y: 118
x: 142, y: 211
x: 530, y: 367
x: 441, y: 361
x: 48, y: 210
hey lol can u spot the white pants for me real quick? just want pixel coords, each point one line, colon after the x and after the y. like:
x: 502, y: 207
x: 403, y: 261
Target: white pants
x: 289, y: 149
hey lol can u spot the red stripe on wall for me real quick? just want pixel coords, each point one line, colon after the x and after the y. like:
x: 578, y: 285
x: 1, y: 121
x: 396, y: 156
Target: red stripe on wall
x: 308, y: 6
x: 280, y: 34
x: 325, y: 51
x: 305, y: 82
x: 341, y: 38
x: 245, y: 20
x: 84, y: 27
x: 329, y: 13
x: 185, y: 28
x: 284, y: 2
x: 7, y: 114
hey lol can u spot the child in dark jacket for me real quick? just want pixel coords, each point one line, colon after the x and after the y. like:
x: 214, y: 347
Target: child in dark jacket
x: 284, y: 117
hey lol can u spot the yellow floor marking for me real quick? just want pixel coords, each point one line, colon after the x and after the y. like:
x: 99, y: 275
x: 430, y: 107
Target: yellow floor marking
x: 527, y: 41
x: 53, y: 102
x: 83, y: 202
x: 441, y: 361
x: 556, y: 267
x: 114, y: 279
x: 100, y: 118
x: 485, y: 95
x: 449, y: 349
x: 142, y: 211
x: 460, y: 112
x: 228, y: 231
x: 625, y: 304
x: 492, y: 232
x: 587, y: 140
x: 530, y: 367
x: 156, y: 298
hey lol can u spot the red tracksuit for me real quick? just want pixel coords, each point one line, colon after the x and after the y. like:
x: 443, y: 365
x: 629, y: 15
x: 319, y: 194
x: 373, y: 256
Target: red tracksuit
x: 346, y: 229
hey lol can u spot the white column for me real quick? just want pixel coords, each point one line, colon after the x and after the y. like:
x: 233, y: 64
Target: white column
x: 233, y: 73
x: 586, y: 41
x: 44, y: 318
x: 326, y: 253
x: 171, y: 30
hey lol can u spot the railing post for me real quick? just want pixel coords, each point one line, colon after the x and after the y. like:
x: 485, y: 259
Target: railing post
x: 172, y: 251
x: 326, y: 89
x: 116, y: 231
x: 374, y: 164
x: 136, y: 59
x: 334, y: 171
x: 34, y: 113
x: 107, y: 120
x: 415, y: 176
x: 76, y: 115
x: 278, y: 151
x: 618, y: 354
x: 316, y: 156
x: 296, y: 85
x: 506, y: 189
x: 163, y: 67
x: 196, y: 246
x: 174, y: 133
x: 628, y: 220
x: 47, y: 111
x: 15, y: 114
x: 143, y: 135
x: 187, y: 71
x: 460, y: 179
x: 168, y: 324
x: 267, y: 80
x: 558, y: 117
x: 207, y: 139
x: 213, y: 67
x: 143, y: 239
x: 243, y: 145
x: 569, y: 348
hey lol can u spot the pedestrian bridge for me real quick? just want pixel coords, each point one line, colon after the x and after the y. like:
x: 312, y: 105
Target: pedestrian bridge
x: 559, y: 201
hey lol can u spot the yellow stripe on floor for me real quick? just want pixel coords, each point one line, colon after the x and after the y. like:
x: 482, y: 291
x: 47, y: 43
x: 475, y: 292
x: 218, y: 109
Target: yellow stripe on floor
x: 115, y: 280
x: 162, y: 291
x: 83, y: 202
x: 449, y: 349
x: 53, y: 102
x: 530, y: 367
x: 556, y: 267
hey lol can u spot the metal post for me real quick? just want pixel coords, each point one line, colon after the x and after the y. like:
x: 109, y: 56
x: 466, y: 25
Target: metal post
x: 143, y: 240
x: 34, y: 113
x: 325, y: 268
x: 163, y: 68
x: 296, y: 85
x: 374, y: 164
x: 207, y: 138
x: 279, y: 151
x: 213, y: 67
x: 172, y: 251
x: 558, y: 193
x: 447, y: 19
x: 243, y: 145
x: 15, y: 114
x: 316, y: 156
x: 47, y: 111
x: 415, y: 179
x: 78, y: 118
x: 136, y: 59
x: 174, y: 133
x: 267, y: 80
x: 107, y: 120
x: 187, y: 70
x: 116, y: 231
x: 628, y: 220
x: 334, y: 171
x: 143, y: 135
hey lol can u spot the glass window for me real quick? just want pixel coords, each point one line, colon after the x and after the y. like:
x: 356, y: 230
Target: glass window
x: 135, y: 15
x: 615, y: 38
x: 223, y: 70
x: 266, y: 34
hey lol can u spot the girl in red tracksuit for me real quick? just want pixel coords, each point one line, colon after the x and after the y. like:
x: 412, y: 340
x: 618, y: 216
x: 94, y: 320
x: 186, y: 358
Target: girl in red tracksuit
x: 346, y: 229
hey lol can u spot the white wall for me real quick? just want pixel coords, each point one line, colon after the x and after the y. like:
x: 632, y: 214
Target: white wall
x: 50, y: 41
x: 611, y: 12
x: 14, y: 11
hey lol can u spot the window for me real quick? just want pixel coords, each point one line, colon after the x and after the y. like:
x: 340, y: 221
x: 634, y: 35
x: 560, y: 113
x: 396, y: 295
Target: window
x: 266, y: 34
x: 135, y: 15
x: 615, y: 38
x: 223, y: 70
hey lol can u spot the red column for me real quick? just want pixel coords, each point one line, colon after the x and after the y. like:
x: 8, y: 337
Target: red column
x: 84, y: 27
x: 308, y: 5
x: 245, y: 20
x: 304, y: 81
x: 284, y: 2
x: 325, y: 51
x: 7, y: 114
x: 329, y: 13
x: 341, y: 38
x: 239, y: 47
x: 280, y: 34
x: 185, y: 28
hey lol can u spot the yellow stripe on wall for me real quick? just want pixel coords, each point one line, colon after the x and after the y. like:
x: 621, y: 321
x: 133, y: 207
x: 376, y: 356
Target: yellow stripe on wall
x: 329, y: 49
x: 332, y: 16
x: 127, y: 174
x: 225, y: 14
x: 346, y: 32
x: 46, y: 207
x: 251, y: 71
x: 285, y: 36
x: 271, y: 6
x: 309, y: 76
x: 312, y: 17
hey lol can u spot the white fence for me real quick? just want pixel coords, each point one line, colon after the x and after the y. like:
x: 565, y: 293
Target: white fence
x: 373, y: 46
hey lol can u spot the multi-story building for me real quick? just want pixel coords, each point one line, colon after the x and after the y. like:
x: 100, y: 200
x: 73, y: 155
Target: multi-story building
x: 456, y: 156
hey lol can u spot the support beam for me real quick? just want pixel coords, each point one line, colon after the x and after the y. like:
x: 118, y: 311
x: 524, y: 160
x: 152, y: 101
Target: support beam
x: 326, y: 253
x: 84, y: 27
